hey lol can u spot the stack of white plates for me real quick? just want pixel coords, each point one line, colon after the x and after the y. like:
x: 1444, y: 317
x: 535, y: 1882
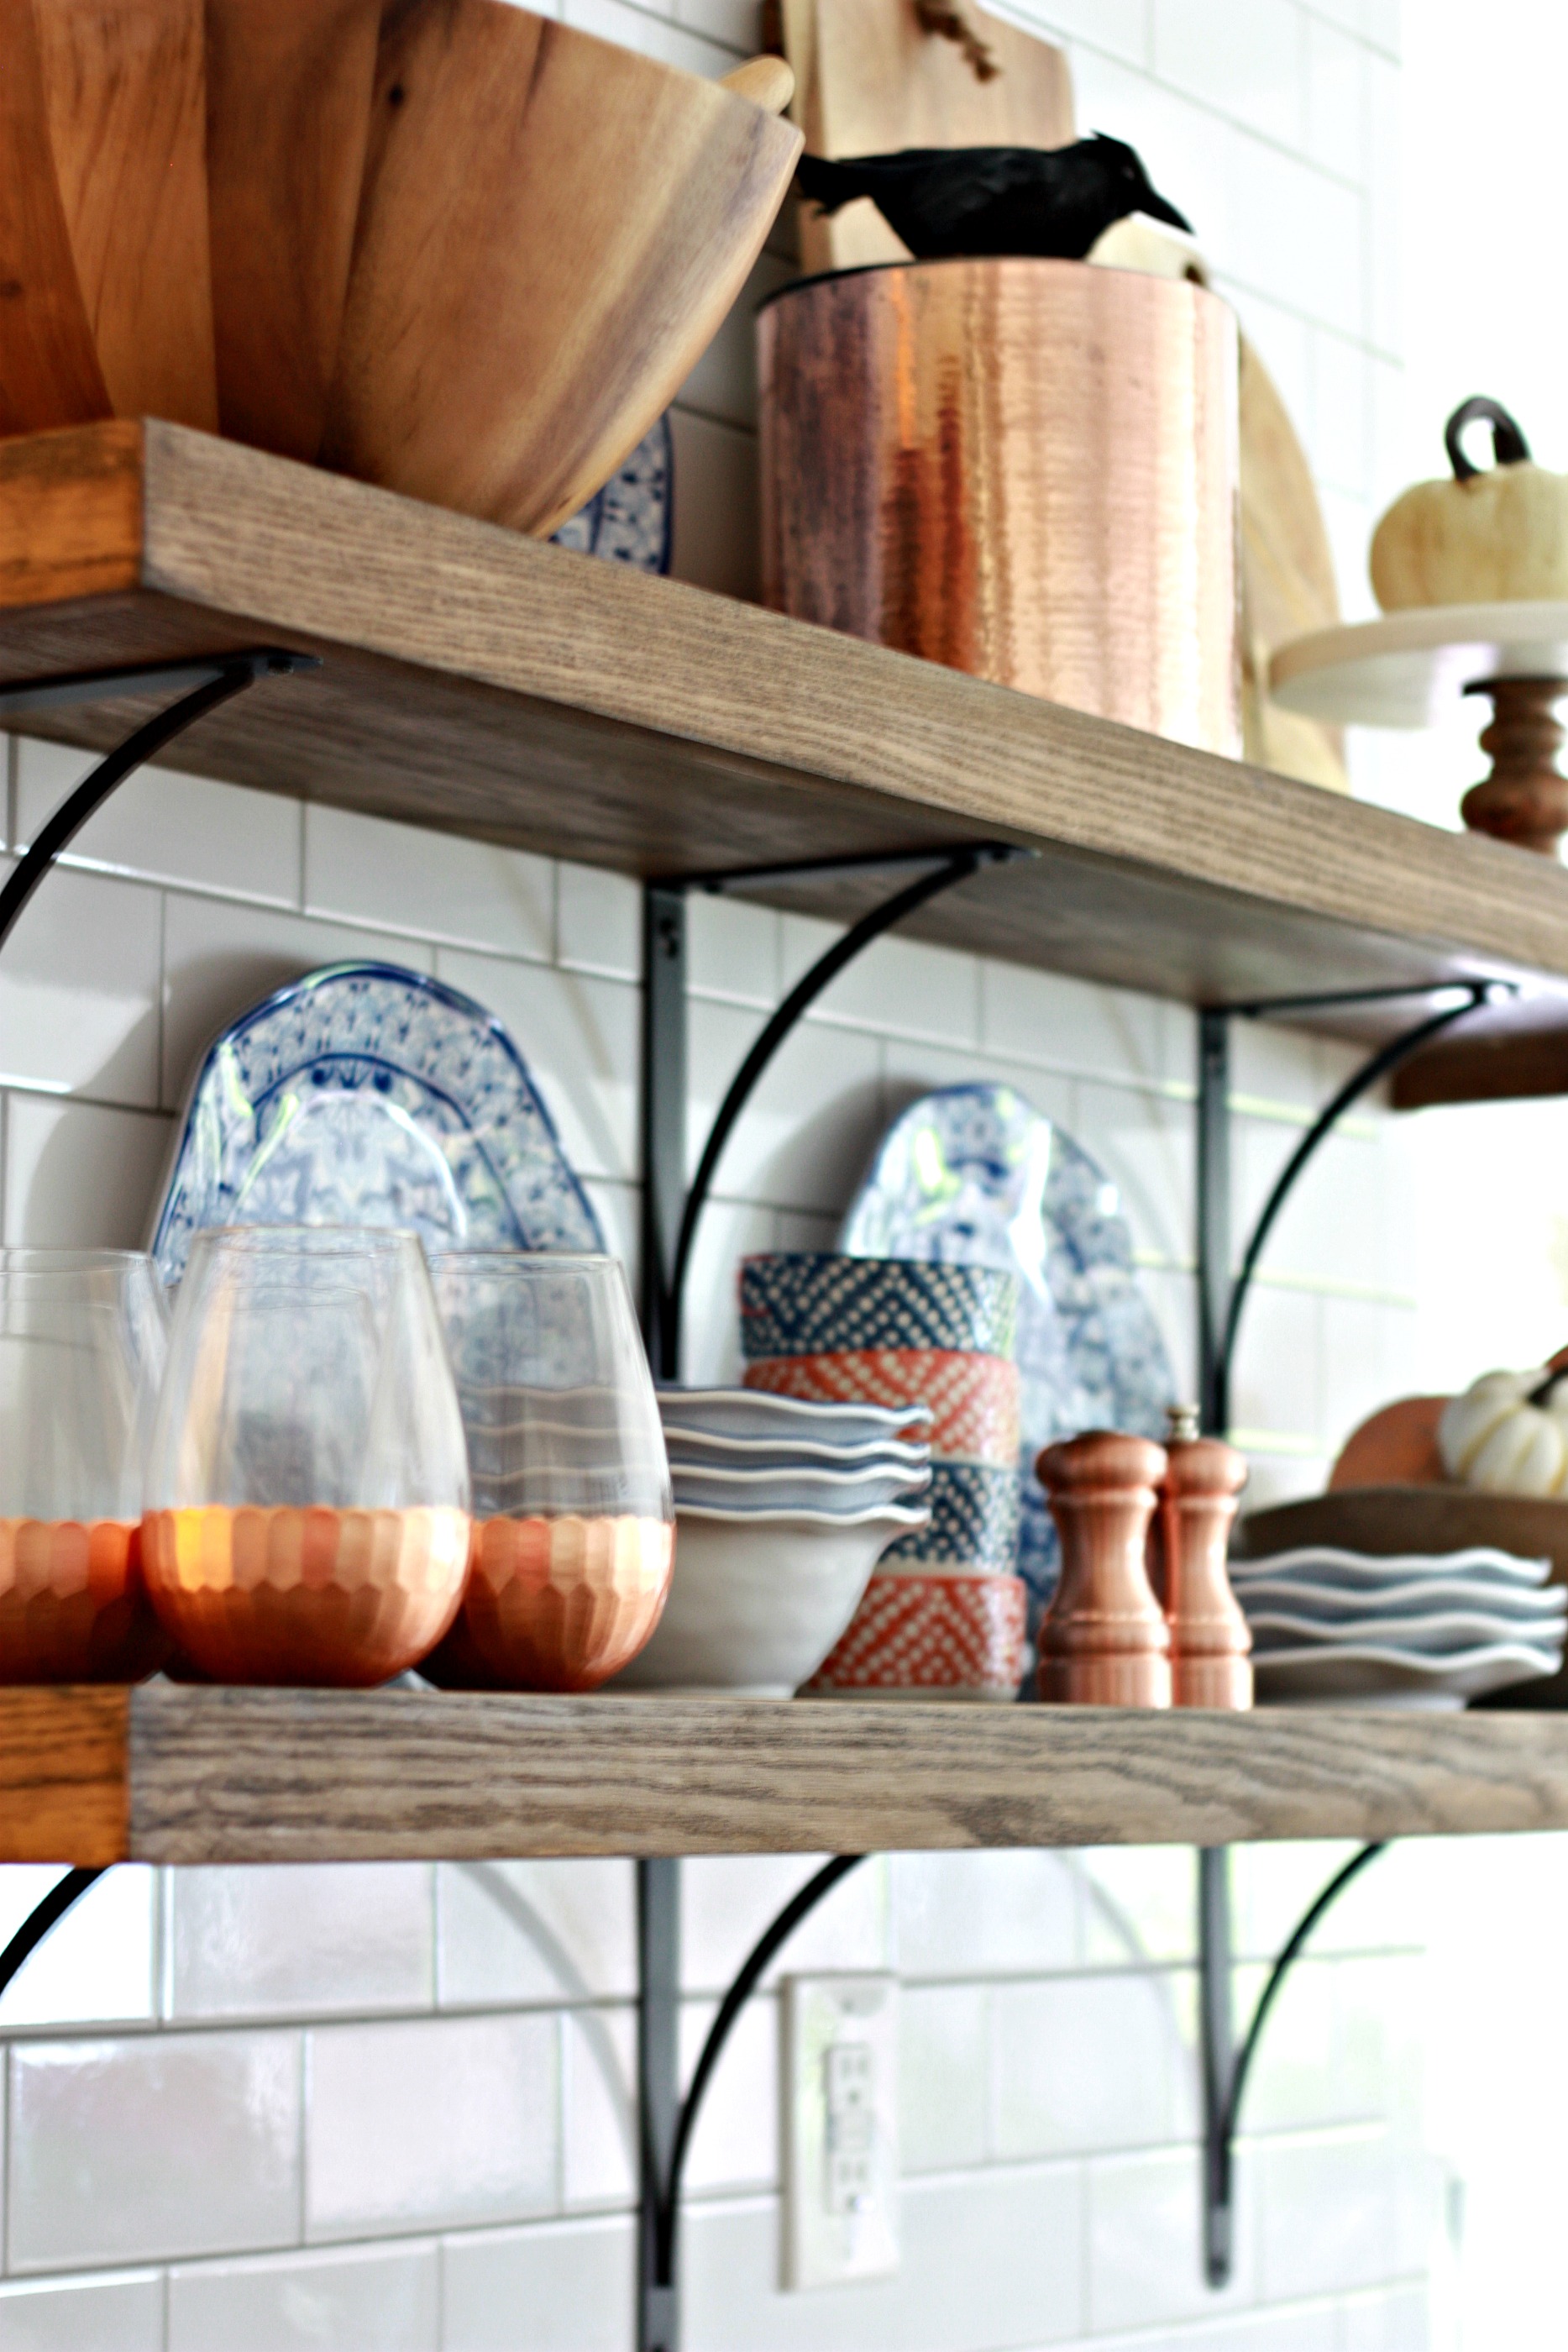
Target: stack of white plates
x: 746, y: 1450
x: 1411, y: 1631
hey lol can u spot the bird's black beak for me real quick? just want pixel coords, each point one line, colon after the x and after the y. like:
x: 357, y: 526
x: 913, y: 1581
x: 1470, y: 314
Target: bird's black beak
x: 1154, y: 204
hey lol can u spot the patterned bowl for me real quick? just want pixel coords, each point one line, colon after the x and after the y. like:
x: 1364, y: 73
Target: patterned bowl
x: 806, y: 1302
x: 952, y: 1637
x: 973, y: 1398
x: 974, y: 1522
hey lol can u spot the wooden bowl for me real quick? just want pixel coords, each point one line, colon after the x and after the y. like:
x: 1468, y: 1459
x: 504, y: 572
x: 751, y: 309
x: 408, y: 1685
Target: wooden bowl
x: 456, y: 249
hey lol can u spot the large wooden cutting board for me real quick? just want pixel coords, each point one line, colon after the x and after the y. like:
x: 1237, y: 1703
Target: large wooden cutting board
x: 869, y: 78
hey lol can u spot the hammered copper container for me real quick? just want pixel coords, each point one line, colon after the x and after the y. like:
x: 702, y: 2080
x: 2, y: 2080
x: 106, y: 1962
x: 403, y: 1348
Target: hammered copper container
x: 556, y: 1604
x: 1027, y: 469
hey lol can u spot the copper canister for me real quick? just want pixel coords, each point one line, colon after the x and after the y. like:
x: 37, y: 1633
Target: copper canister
x: 1024, y: 469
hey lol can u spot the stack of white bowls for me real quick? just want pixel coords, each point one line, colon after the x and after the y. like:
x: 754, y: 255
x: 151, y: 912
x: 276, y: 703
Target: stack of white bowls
x: 1335, y: 1626
x: 783, y: 1507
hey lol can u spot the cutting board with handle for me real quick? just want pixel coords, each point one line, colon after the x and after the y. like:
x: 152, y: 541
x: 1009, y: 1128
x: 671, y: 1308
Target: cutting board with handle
x: 870, y: 79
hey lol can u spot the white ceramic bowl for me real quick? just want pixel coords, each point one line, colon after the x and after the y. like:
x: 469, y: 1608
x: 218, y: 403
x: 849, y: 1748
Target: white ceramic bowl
x: 843, y: 1494
x: 757, y: 1601
x: 758, y: 1412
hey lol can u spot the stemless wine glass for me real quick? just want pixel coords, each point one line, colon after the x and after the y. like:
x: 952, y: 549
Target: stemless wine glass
x: 573, y: 1521
x: 83, y: 1335
x: 306, y: 1498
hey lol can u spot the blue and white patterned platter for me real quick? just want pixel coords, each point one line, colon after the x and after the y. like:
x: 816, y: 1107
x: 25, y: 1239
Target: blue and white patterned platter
x: 365, y: 1095
x: 974, y: 1175
x: 629, y: 521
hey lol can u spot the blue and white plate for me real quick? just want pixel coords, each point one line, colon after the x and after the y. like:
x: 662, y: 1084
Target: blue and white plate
x: 365, y: 1095
x: 974, y: 1175
x: 629, y: 521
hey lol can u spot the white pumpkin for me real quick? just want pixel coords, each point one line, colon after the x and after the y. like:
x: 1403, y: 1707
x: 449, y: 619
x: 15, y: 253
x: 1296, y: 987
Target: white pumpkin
x: 1481, y: 538
x: 1509, y: 1433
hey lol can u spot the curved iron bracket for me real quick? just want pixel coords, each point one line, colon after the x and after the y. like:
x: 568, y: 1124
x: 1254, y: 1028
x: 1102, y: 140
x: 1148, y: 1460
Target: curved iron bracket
x: 667, y: 2120
x: 671, y: 1208
x: 42, y: 1917
x: 1225, y: 2073
x: 1220, y: 1299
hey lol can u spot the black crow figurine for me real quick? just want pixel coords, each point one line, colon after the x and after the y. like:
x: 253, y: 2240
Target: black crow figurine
x: 951, y: 203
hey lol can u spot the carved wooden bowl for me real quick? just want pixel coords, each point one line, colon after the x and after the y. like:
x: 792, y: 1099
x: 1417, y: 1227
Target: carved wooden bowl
x: 444, y: 246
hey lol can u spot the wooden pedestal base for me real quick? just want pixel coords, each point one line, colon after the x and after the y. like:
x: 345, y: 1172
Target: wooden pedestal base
x: 1525, y: 798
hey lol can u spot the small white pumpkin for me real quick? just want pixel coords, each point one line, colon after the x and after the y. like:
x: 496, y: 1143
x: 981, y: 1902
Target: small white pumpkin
x: 1509, y: 1433
x: 1482, y: 538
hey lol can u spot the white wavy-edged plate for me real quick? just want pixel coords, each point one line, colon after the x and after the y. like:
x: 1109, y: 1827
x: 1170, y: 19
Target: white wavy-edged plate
x: 1364, y: 1674
x: 1451, y: 1633
x: 897, y: 1514
x: 758, y: 1412
x: 703, y: 1449
x: 844, y: 1494
x: 1427, y: 1597
x: 1325, y: 1564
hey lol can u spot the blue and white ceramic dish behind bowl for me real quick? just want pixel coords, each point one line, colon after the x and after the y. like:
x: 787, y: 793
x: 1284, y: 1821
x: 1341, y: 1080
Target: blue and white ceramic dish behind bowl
x: 629, y: 520
x: 367, y: 1095
x: 975, y: 1176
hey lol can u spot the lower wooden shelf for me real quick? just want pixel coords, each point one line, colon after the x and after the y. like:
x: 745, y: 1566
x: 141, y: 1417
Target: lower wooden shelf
x: 183, y: 1775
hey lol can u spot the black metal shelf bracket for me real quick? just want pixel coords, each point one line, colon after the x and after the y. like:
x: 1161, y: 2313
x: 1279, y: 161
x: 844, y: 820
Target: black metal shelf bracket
x: 671, y: 1209
x: 207, y: 683
x: 1221, y: 1298
x: 668, y: 2121
x: 1225, y: 2069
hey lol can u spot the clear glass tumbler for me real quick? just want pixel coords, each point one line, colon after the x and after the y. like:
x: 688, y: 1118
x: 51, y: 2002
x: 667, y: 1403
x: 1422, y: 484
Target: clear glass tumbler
x: 307, y: 1498
x: 83, y: 1336
x: 573, y: 1520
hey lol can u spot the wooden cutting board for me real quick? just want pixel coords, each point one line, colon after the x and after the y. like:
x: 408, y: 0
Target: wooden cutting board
x: 869, y: 78
x: 51, y: 375
x: 1287, y: 582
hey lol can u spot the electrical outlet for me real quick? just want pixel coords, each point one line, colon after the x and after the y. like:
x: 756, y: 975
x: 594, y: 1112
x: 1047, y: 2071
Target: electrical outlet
x: 840, y: 2118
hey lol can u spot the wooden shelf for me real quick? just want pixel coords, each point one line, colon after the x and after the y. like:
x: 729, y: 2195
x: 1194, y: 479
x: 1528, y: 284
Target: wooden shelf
x: 181, y: 1775
x: 478, y: 681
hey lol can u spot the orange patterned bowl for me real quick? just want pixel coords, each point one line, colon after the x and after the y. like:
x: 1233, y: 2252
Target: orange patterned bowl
x: 946, y: 1636
x: 73, y: 1604
x: 296, y: 1595
x: 556, y: 1604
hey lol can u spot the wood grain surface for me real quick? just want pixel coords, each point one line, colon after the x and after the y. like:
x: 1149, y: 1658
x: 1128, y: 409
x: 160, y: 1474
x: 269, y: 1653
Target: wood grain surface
x: 51, y: 375
x: 259, y: 1776
x: 870, y: 79
x: 482, y: 683
x: 64, y: 1781
x: 125, y: 86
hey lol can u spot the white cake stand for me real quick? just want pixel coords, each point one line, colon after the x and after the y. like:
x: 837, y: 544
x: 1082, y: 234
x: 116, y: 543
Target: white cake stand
x: 1404, y: 671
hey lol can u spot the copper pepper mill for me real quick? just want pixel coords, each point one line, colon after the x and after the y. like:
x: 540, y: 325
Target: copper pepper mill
x: 1211, y: 1638
x: 1103, y: 1642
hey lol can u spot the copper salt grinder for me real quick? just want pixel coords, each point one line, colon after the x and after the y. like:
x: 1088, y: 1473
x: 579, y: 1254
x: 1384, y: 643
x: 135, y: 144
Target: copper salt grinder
x: 1211, y: 1638
x: 1104, y: 1640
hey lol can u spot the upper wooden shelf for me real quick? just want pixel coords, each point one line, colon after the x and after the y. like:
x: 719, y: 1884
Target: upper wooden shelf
x: 172, y: 1774
x: 478, y: 681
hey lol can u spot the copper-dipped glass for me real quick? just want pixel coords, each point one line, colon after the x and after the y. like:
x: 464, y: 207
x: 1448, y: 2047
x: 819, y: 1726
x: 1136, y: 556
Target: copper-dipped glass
x: 83, y: 1335
x: 573, y: 1520
x: 306, y: 1498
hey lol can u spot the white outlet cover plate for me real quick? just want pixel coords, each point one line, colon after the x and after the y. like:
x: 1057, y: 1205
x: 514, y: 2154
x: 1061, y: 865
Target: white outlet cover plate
x: 841, y: 2123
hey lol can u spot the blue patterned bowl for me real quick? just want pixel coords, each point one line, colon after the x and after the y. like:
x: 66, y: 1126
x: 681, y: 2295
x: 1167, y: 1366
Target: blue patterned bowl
x: 974, y: 1521
x: 812, y: 1302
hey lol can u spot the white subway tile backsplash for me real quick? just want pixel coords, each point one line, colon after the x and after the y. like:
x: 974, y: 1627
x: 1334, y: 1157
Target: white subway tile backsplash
x: 599, y: 2107
x: 130, y: 2150
x: 983, y: 1915
x: 427, y: 2124
x: 300, y: 1939
x: 123, y: 2313
x: 1086, y: 2063
x: 726, y: 1232
x: 1243, y: 58
x: 433, y: 885
x: 1144, y: 2251
x: 1145, y: 1143
x: 568, y: 2285
x: 809, y: 1129
x: 95, y: 1965
x: 644, y: 29
x: 1140, y: 1906
x: 987, y: 2259
x: 943, y: 2029
x: 78, y: 989
x: 1075, y: 1025
x: 732, y: 950
x: 713, y: 543
x: 598, y: 922
x: 1399, y: 2321
x: 726, y: 1907
x: 1328, y: 2210
x: 353, y: 2301
x: 79, y: 1173
x: 1338, y: 126
x: 899, y: 987
x: 1120, y: 26
x: 535, y: 1932
x: 168, y: 827
x: 736, y: 2142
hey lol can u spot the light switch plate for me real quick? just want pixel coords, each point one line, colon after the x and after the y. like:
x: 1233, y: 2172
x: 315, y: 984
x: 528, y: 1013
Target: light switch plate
x: 841, y: 2123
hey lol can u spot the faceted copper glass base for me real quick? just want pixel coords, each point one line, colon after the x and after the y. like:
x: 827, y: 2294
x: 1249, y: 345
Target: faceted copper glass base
x: 73, y: 1604
x: 291, y: 1595
x: 556, y: 1604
